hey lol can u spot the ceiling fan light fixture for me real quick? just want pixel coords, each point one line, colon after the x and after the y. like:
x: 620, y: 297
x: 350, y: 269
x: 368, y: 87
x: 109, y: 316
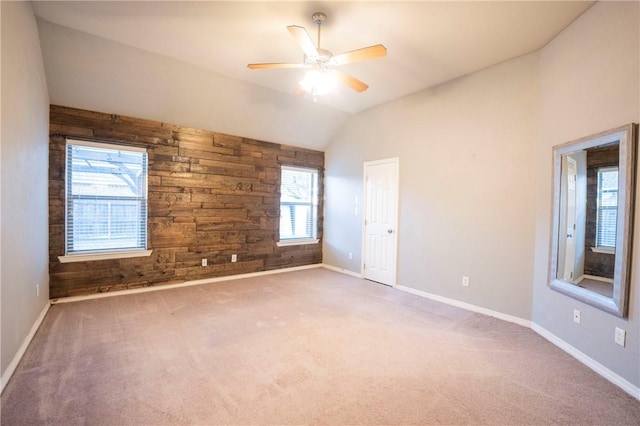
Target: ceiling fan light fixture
x: 318, y: 82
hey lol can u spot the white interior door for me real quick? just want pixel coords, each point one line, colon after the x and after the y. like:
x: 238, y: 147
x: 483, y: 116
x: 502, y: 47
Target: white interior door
x: 380, y: 233
x: 570, y: 253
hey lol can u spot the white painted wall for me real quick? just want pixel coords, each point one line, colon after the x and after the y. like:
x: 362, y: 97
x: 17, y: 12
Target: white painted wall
x: 589, y: 82
x: 24, y: 179
x: 466, y: 186
x: 93, y: 73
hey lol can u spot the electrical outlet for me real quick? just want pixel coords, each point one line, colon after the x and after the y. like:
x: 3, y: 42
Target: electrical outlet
x: 620, y: 336
x: 234, y: 257
x: 465, y: 281
x: 350, y: 255
x: 576, y: 316
x: 204, y: 262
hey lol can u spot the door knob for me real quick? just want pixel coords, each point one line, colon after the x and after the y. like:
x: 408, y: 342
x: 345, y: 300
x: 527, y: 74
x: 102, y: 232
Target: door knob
x: 389, y: 230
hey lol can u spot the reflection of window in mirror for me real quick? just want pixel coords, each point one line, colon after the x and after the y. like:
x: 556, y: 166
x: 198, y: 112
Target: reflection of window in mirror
x: 607, y: 208
x: 602, y: 164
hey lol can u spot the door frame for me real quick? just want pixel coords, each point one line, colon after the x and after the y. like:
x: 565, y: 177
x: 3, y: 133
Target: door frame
x: 570, y: 163
x: 396, y: 161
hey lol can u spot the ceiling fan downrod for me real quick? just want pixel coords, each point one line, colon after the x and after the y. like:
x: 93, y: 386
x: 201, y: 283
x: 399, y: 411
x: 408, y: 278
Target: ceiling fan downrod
x: 319, y: 18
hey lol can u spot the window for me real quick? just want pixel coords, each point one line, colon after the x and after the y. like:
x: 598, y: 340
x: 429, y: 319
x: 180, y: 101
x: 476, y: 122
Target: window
x: 106, y: 196
x: 298, y: 205
x: 607, y: 207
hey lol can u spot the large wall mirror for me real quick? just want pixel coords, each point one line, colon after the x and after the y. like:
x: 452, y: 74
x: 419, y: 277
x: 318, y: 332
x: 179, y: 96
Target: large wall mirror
x: 593, y: 200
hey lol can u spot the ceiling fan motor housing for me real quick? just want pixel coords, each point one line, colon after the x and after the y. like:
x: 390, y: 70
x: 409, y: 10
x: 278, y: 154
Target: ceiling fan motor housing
x: 323, y: 60
x: 319, y: 18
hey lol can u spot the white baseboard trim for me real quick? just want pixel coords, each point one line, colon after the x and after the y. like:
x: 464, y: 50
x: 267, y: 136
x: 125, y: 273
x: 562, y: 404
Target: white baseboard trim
x: 614, y: 378
x: 597, y: 278
x: 182, y: 284
x: 342, y: 271
x: 11, y: 368
x: 467, y: 306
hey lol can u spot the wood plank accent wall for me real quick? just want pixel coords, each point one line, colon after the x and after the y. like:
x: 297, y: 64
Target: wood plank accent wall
x: 211, y: 195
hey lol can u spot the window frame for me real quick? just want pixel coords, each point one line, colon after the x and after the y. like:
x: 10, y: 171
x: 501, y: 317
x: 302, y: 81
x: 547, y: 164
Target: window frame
x: 314, y: 204
x: 598, y: 246
x: 103, y: 254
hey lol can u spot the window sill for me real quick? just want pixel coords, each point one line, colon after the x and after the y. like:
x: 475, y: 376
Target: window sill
x: 603, y: 250
x: 297, y: 242
x: 103, y: 256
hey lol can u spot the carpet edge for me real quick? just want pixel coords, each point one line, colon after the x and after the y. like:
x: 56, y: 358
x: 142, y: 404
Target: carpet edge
x: 594, y: 365
x: 468, y: 306
x: 11, y: 368
x: 71, y: 299
x: 341, y: 270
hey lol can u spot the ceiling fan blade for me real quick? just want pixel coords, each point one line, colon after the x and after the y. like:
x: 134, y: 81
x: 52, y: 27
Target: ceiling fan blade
x: 265, y: 66
x: 304, y: 41
x: 370, y: 52
x: 350, y: 80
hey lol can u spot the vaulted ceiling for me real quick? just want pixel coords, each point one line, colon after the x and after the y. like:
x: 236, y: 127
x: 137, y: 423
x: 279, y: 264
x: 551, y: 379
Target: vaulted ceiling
x: 428, y: 42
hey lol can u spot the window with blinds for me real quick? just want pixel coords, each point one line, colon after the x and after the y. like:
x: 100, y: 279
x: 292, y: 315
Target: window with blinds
x: 607, y: 207
x: 106, y: 196
x: 298, y: 204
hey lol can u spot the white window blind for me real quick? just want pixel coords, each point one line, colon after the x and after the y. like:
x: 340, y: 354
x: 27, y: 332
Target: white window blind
x: 607, y: 207
x: 298, y: 203
x: 106, y: 198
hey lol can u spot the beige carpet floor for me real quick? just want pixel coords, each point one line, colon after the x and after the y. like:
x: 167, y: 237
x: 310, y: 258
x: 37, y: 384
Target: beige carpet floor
x: 305, y: 347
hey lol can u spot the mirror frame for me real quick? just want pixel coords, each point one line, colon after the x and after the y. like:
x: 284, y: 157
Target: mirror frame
x: 618, y: 304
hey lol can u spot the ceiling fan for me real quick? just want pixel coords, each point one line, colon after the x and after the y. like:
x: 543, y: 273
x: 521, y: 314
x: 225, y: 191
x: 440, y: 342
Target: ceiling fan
x: 322, y: 64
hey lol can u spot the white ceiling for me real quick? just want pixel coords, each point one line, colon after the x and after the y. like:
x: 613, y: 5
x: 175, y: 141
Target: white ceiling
x: 428, y: 42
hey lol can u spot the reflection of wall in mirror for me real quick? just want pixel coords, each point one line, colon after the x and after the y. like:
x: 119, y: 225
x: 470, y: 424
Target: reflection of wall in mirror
x: 597, y: 264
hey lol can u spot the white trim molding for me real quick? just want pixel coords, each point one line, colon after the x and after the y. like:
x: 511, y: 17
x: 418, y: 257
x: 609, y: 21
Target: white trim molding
x: 11, y: 368
x: 104, y: 256
x: 467, y: 306
x: 69, y: 258
x: 183, y: 284
x: 342, y: 271
x: 614, y: 378
x: 597, y: 278
x: 297, y: 242
x: 446, y: 300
